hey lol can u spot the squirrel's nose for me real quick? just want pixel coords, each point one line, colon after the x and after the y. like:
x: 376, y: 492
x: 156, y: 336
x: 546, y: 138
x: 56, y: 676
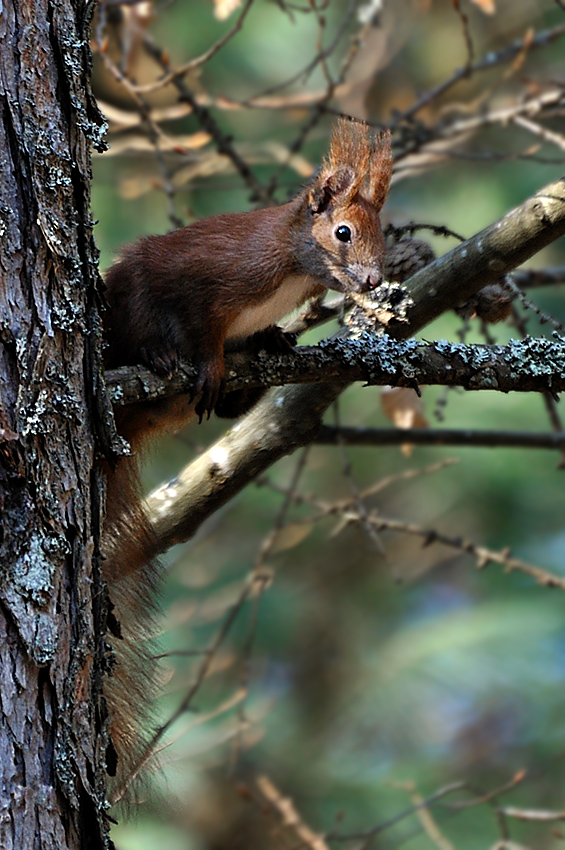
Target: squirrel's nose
x: 373, y: 280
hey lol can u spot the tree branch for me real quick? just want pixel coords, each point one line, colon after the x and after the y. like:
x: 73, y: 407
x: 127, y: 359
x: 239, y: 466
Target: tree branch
x: 530, y: 365
x: 484, y: 258
x: 286, y: 419
x: 331, y: 436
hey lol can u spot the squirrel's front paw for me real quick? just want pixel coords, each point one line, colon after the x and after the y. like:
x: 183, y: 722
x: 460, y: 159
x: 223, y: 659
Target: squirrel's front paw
x: 210, y: 386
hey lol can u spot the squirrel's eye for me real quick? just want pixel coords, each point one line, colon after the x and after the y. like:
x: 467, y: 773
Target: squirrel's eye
x: 343, y: 233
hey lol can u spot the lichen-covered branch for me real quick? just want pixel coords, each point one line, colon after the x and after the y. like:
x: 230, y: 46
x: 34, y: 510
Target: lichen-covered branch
x: 438, y: 287
x: 530, y: 365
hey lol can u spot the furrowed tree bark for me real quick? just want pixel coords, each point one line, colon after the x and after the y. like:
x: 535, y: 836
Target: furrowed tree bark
x: 52, y: 608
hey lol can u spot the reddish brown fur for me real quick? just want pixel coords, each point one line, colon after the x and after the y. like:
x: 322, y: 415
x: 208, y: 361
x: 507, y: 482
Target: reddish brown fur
x: 176, y: 296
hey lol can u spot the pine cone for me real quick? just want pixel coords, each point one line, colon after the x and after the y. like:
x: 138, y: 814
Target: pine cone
x: 406, y: 257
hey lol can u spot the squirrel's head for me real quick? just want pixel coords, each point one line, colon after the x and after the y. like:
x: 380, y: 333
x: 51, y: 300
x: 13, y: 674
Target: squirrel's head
x: 344, y: 202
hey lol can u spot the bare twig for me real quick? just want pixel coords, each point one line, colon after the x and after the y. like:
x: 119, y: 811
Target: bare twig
x: 537, y: 130
x: 210, y: 125
x: 537, y: 815
x: 153, y: 131
x: 425, y: 817
x: 321, y: 56
x: 482, y: 554
x: 260, y: 569
x: 384, y: 825
x: 489, y: 61
x: 466, y: 35
x: 291, y: 819
x: 193, y: 64
x: 328, y: 509
x: 322, y: 102
x: 533, y: 278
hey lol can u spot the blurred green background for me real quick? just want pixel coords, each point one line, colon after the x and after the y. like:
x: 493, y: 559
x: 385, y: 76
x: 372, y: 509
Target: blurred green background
x: 370, y: 675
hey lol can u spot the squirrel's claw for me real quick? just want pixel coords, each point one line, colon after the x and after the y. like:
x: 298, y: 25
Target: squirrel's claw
x: 210, y: 386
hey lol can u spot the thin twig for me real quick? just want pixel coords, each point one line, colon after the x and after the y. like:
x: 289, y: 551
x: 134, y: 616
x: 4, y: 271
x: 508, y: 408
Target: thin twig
x: 542, y: 132
x: 259, y: 570
x: 321, y: 56
x: 210, y: 125
x: 291, y: 819
x: 392, y: 821
x: 358, y: 502
x: 327, y: 509
x: 425, y: 817
x: 321, y: 104
x: 154, y: 131
x: 483, y: 555
x: 352, y: 436
x: 533, y: 278
x: 466, y: 35
x: 489, y: 61
x: 184, y: 69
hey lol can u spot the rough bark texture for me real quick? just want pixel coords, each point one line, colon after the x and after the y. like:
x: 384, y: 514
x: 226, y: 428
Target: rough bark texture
x: 52, y: 736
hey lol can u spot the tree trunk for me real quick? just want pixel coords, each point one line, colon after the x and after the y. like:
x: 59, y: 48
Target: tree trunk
x: 52, y: 606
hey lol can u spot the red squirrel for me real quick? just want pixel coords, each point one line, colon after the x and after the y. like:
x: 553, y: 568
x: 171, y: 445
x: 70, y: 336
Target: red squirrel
x: 188, y: 293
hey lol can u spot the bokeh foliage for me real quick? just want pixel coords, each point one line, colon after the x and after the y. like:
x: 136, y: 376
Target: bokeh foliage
x: 372, y: 672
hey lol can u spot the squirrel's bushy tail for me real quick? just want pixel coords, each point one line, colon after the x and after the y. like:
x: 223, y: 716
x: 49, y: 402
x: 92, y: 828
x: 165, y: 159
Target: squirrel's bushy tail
x: 133, y: 577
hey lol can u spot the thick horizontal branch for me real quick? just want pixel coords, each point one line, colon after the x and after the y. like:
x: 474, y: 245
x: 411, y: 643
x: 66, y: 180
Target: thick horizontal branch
x: 530, y: 365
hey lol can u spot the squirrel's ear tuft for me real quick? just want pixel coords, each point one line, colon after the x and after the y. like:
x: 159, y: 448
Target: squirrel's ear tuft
x: 357, y: 164
x: 346, y: 166
x: 351, y: 145
x: 380, y: 170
